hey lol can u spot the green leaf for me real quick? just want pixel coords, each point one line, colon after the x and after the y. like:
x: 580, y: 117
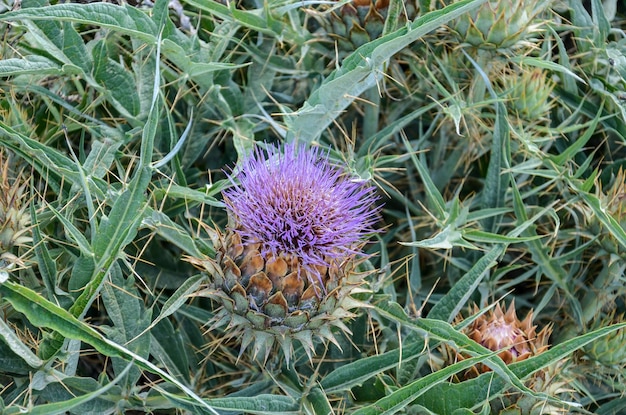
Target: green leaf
x: 448, y: 238
x: 45, y: 263
x: 550, y: 266
x: 150, y: 128
x: 115, y: 232
x: 405, y: 395
x: 316, y: 402
x: 42, y: 313
x: 49, y: 162
x: 600, y: 23
x: 172, y: 232
x: 12, y: 362
x: 352, y: 374
x: 488, y: 237
x: 35, y: 64
x: 362, y: 70
x: 474, y: 392
x: 58, y: 39
x: 130, y: 321
x: 18, y: 347
x: 73, y: 233
x: 101, y: 157
x: 120, y: 226
x: 169, y: 347
x: 435, y: 199
x: 125, y: 19
x: 449, y: 306
x: 546, y: 64
x: 116, y: 80
x: 181, y: 295
x: 82, y: 272
x: 246, y: 18
x: 260, y: 404
x: 88, y: 391
x: 495, y: 182
x: 193, y: 195
x: 194, y: 69
x: 612, y: 225
x: 569, y: 153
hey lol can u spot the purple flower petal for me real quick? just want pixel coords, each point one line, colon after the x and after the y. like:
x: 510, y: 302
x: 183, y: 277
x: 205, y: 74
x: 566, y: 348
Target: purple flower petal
x: 298, y: 203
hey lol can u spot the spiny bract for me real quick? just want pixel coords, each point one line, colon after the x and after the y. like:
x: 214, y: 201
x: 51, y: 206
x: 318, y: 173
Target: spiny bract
x: 286, y: 266
x: 360, y: 21
x: 500, y: 24
x: 14, y: 217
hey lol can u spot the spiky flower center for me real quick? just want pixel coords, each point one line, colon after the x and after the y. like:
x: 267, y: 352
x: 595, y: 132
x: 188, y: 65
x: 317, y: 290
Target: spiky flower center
x: 499, y: 334
x: 297, y: 203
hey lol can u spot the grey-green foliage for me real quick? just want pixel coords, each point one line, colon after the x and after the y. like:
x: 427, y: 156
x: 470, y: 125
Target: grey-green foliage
x: 129, y: 123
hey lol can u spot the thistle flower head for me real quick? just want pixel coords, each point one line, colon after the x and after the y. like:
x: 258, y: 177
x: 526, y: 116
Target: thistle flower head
x: 500, y: 24
x: 287, y: 265
x: 297, y: 203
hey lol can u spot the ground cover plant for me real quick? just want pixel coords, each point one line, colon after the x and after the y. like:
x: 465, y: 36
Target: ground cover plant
x: 316, y: 207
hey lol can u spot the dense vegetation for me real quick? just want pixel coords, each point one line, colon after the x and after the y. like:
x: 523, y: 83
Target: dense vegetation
x: 488, y: 139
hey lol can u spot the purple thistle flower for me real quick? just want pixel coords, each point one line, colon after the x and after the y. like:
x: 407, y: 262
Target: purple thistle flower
x: 298, y: 203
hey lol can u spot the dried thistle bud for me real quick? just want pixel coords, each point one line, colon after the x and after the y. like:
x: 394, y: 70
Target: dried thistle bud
x: 514, y: 339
